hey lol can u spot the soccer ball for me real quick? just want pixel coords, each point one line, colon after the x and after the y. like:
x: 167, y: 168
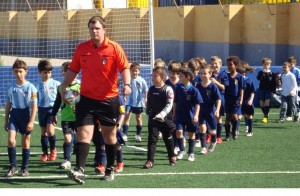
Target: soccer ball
x: 72, y: 96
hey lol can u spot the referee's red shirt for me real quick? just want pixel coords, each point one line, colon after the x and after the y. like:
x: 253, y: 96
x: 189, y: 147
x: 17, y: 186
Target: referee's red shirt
x: 99, y: 68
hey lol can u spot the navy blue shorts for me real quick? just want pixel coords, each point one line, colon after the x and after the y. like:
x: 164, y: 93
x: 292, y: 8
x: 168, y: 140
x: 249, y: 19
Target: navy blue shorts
x: 189, y: 127
x: 248, y: 109
x: 208, y: 119
x: 134, y: 110
x: 44, y: 115
x: 68, y: 127
x: 18, y: 120
x: 264, y: 95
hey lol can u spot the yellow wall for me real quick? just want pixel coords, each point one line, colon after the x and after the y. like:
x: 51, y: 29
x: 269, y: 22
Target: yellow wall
x: 293, y: 24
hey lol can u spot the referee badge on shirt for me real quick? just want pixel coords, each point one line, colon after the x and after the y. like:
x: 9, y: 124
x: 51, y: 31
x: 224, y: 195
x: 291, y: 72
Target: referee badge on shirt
x: 236, y: 81
x: 208, y: 93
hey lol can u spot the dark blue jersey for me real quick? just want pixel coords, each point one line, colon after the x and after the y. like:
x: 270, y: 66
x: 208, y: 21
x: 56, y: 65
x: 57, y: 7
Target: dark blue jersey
x: 266, y: 80
x: 222, y: 78
x: 233, y: 86
x: 248, y: 89
x: 197, y: 80
x: 210, y: 95
x: 186, y: 99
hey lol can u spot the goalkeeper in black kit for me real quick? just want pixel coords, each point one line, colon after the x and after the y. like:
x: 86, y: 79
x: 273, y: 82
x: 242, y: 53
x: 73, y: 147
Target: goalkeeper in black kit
x: 159, y: 105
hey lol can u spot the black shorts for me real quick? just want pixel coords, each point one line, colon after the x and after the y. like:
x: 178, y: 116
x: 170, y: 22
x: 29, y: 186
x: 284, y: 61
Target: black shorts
x: 68, y: 127
x: 89, y: 110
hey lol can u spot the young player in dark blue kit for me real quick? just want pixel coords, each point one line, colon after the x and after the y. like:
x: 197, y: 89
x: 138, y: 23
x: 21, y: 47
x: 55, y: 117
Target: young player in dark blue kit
x: 209, y: 109
x: 249, y: 90
x: 186, y: 108
x: 234, y: 93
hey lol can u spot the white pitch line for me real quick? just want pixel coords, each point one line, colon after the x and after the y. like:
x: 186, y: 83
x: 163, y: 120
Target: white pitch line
x: 158, y: 174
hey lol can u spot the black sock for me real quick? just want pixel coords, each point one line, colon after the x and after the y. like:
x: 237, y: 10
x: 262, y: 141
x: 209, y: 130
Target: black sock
x: 111, y: 150
x: 82, y: 152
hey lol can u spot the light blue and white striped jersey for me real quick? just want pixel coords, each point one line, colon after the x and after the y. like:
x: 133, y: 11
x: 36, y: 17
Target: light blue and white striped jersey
x: 22, y: 96
x: 138, y: 89
x: 47, y: 93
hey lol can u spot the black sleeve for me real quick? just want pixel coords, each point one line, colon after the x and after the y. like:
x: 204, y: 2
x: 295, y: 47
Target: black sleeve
x: 259, y: 75
x: 57, y: 104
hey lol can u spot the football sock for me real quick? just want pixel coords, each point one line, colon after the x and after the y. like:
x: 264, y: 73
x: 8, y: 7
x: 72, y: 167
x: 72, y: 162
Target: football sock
x: 227, y: 130
x: 25, y: 158
x: 138, y: 129
x: 213, y: 138
x: 203, y: 140
x: 82, y: 154
x: 102, y: 157
x: 67, y: 147
x: 267, y: 111
x: 125, y: 129
x: 119, y: 157
x: 191, y: 146
x: 219, y: 129
x: 110, y: 154
x: 44, y: 143
x: 52, y: 141
x: 234, y: 126
x: 180, y: 144
x: 250, y: 124
x: 12, y: 156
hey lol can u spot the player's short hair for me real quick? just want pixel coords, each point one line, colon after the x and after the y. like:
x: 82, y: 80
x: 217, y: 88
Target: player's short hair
x: 174, y: 66
x: 159, y: 63
x: 161, y: 71
x: 247, y: 67
x: 135, y: 65
x: 94, y: 19
x: 235, y: 60
x: 209, y: 67
x: 292, y: 60
x: 265, y: 59
x: 20, y: 64
x: 44, y: 65
x: 65, y: 66
x: 194, y: 65
x: 187, y: 72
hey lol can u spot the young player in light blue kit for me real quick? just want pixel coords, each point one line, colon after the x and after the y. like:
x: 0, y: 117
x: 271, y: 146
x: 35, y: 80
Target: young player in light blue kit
x: 20, y: 112
x: 47, y: 91
x: 136, y: 101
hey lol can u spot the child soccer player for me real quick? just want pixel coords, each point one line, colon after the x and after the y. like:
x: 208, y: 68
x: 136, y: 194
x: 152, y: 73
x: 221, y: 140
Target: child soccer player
x: 219, y: 78
x: 47, y: 91
x: 20, y: 112
x: 186, y: 108
x: 247, y: 106
x: 289, y: 93
x: 67, y: 118
x: 210, y: 108
x: 135, y: 101
x: 234, y: 93
x: 267, y: 85
x: 159, y: 106
x: 173, y: 81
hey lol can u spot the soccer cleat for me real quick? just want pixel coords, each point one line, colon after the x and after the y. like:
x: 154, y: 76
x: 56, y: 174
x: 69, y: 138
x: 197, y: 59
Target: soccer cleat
x: 148, y: 165
x: 203, y: 151
x: 44, y: 157
x: 125, y: 137
x: 212, y: 147
x: 296, y: 118
x: 120, y: 167
x: 138, y: 138
x: 281, y: 120
x: 180, y: 155
x: 11, y: 171
x: 208, y: 138
x: 191, y: 157
x: 77, y: 175
x: 234, y: 137
x: 52, y: 155
x: 219, y: 140
x: 172, y: 161
x: 109, y: 175
x: 289, y: 118
x: 197, y: 143
x: 227, y: 139
x: 249, y: 134
x: 65, y: 165
x: 100, y: 169
x: 25, y: 172
x: 264, y: 120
